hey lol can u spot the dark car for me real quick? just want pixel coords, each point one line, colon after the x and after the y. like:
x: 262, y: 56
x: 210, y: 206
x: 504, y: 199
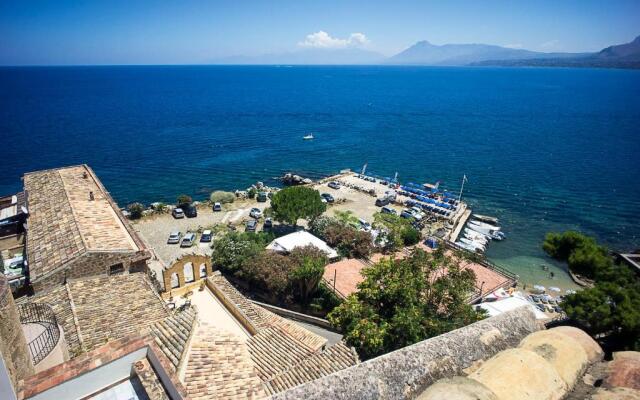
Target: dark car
x: 268, y: 224
x: 251, y: 225
x: 206, y: 236
x: 388, y: 210
x: 329, y: 198
x: 262, y: 197
x: 381, y: 202
x: 190, y: 211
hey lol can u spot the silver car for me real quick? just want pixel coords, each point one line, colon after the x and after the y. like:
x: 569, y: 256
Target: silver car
x: 174, y: 237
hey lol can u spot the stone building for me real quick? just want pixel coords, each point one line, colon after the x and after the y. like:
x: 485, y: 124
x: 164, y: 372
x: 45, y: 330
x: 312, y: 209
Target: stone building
x: 75, y: 229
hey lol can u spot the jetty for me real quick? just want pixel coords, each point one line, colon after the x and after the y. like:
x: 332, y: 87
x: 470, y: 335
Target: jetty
x: 459, y: 224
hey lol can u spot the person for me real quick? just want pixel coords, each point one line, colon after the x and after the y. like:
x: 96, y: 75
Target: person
x: 551, y: 274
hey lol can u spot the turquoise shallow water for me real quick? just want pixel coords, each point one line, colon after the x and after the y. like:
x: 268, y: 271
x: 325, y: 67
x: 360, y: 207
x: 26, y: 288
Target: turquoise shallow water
x: 544, y: 149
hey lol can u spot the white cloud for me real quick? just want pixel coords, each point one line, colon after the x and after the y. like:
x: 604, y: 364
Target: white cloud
x: 513, y: 46
x: 323, y: 40
x: 550, y: 44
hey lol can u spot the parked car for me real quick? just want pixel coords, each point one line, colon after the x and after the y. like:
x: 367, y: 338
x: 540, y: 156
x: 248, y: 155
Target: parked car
x: 251, y: 225
x: 268, y: 223
x: 174, y: 237
x: 255, y: 213
x: 190, y: 211
x: 388, y: 210
x: 381, y: 202
x: 188, y: 240
x: 262, y: 197
x: 364, y: 224
x: 217, y: 207
x: 406, y: 214
x: 206, y: 236
x: 329, y: 198
x: 177, y: 213
x: 334, y: 185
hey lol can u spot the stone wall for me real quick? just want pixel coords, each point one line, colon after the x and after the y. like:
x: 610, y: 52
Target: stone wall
x: 13, y: 345
x: 406, y: 372
x: 92, y: 264
x: 177, y: 270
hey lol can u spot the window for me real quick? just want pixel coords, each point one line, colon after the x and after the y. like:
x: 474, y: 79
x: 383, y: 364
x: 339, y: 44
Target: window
x: 203, y: 270
x: 175, y: 282
x: 187, y: 270
x: 116, y: 269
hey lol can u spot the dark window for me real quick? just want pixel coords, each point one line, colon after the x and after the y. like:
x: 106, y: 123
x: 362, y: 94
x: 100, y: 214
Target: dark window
x: 116, y: 269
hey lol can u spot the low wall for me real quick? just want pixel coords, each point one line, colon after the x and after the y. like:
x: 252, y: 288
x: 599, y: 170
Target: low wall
x: 283, y: 312
x: 406, y: 372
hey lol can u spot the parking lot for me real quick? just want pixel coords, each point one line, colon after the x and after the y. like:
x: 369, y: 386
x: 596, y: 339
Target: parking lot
x: 155, y: 229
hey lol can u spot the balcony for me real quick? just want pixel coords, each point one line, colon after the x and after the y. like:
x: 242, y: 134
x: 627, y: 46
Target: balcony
x: 41, y: 330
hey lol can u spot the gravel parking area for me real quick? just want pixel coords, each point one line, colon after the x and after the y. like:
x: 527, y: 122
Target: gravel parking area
x: 155, y: 229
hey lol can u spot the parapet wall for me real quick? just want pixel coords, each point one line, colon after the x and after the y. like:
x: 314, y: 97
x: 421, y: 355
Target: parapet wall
x: 406, y: 372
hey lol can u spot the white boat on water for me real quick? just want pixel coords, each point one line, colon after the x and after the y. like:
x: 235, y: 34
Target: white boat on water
x: 473, y: 243
x: 471, y: 234
x: 467, y: 247
x: 493, y: 234
x: 479, y: 239
x: 484, y: 225
x: 308, y: 137
x: 486, y: 218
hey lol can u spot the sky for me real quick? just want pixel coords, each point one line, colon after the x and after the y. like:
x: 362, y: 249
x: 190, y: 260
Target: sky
x: 66, y: 32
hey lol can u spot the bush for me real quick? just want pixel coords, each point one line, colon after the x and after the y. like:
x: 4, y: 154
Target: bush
x: 410, y: 236
x: 251, y: 193
x: 349, y: 241
x: 184, y: 199
x: 231, y: 251
x: 222, y: 197
x: 271, y: 272
x: 135, y: 210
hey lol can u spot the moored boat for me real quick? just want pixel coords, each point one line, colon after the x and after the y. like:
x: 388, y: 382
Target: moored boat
x: 486, y: 218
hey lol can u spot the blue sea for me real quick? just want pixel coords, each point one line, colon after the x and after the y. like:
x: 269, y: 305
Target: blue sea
x: 543, y: 149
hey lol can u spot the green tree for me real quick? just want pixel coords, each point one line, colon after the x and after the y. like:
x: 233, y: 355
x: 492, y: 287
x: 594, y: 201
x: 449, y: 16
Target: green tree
x: 310, y: 263
x: 183, y: 200
x: 222, y: 197
x: 233, y: 250
x: 346, y: 217
x: 401, y: 302
x: 295, y: 202
x: 270, y: 271
x: 251, y: 193
x: 135, y: 210
x: 561, y: 245
x: 398, y: 231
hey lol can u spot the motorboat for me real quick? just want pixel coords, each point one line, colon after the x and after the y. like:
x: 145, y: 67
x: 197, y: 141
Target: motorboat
x: 467, y: 247
x: 495, y: 235
x: 473, y: 243
x: 482, y: 240
x: 484, y: 225
x: 485, y: 218
x: 476, y: 235
x: 308, y: 137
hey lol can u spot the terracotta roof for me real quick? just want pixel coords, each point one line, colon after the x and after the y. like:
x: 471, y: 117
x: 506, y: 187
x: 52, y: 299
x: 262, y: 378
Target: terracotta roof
x: 219, y: 367
x: 347, y: 275
x: 65, y: 223
x: 172, y: 334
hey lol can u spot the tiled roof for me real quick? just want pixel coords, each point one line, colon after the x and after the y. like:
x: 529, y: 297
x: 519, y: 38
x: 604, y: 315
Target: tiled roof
x: 111, y: 307
x: 337, y: 357
x: 219, y: 367
x: 64, y: 222
x: 172, y: 333
x: 346, y: 274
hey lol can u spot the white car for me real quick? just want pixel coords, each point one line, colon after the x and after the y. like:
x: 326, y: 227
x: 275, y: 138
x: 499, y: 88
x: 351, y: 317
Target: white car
x: 174, y: 237
x: 255, y: 213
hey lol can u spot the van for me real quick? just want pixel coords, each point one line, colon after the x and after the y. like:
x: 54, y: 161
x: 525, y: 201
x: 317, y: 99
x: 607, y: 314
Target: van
x: 262, y: 197
x: 388, y: 210
x: 188, y: 239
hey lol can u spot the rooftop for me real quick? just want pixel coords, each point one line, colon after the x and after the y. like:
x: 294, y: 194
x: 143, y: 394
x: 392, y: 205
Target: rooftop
x: 289, y: 242
x: 71, y: 213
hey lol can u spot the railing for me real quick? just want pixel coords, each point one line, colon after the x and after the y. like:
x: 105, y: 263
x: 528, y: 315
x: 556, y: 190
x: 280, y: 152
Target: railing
x: 47, y: 340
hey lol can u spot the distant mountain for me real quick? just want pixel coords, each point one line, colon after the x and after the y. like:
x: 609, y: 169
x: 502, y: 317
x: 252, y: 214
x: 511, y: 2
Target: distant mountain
x: 309, y: 56
x: 619, y: 56
x: 425, y: 53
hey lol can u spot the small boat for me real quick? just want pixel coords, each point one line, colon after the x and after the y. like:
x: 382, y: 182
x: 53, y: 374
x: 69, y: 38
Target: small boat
x: 482, y: 240
x: 468, y: 247
x: 471, y: 234
x: 308, y: 137
x: 472, y: 243
x: 484, y: 225
x: 485, y: 218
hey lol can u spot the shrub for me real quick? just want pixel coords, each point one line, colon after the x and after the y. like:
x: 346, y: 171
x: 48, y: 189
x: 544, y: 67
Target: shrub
x: 135, y: 210
x: 410, y: 236
x: 251, y: 193
x: 222, y: 197
x: 271, y: 272
x: 231, y: 251
x: 184, y: 199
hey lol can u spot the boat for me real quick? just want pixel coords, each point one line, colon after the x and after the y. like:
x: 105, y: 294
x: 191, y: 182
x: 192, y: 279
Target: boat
x: 480, y: 239
x: 308, y: 137
x: 495, y: 235
x: 476, y: 235
x: 484, y: 225
x: 473, y: 243
x: 467, y: 247
x: 485, y: 218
